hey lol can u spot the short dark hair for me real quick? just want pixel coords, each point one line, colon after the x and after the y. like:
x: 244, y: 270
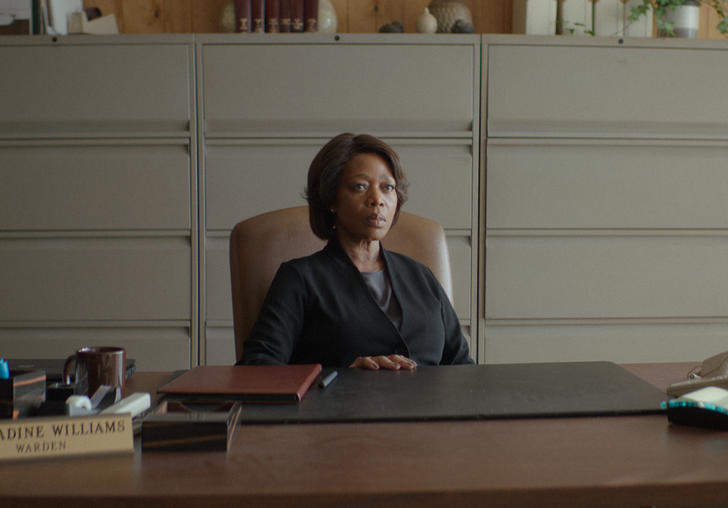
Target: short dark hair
x: 326, y: 169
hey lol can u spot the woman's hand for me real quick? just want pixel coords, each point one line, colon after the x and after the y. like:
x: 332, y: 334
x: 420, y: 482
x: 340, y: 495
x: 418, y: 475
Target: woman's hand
x: 391, y: 362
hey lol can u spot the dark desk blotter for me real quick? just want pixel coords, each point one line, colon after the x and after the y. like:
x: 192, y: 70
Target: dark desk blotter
x: 470, y: 392
x: 190, y: 426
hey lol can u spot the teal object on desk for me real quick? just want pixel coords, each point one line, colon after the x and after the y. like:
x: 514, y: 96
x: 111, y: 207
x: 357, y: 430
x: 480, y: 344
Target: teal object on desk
x: 707, y: 407
x: 4, y: 369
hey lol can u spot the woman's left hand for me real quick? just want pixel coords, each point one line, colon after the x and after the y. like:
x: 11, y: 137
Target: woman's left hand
x: 391, y: 362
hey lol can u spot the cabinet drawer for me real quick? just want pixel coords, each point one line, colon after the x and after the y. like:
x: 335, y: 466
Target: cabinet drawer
x: 338, y: 87
x: 220, y: 345
x: 160, y: 348
x: 606, y: 277
x: 244, y: 180
x: 95, y: 279
x: 621, y: 342
x: 218, y: 293
x: 461, y: 252
x: 219, y: 298
x: 618, y: 91
x: 441, y: 182
x: 94, y: 187
x: 581, y: 184
x: 135, y: 88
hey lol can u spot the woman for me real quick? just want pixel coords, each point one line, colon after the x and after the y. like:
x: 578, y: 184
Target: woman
x: 354, y: 303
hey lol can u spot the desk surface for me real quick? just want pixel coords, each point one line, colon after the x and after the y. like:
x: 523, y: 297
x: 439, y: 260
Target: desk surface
x: 586, y: 461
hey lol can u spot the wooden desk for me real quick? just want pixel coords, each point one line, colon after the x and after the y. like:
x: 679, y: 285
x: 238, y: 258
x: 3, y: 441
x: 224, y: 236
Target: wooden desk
x: 608, y: 461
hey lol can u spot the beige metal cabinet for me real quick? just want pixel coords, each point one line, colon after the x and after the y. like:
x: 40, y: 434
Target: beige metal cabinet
x: 269, y: 104
x: 606, y: 211
x: 98, y: 197
x: 114, y: 225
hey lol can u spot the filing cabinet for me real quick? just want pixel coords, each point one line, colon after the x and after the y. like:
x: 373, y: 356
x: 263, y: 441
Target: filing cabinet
x: 98, y: 197
x: 269, y: 105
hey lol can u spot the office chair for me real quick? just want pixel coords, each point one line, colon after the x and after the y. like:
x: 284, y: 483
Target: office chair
x: 259, y: 245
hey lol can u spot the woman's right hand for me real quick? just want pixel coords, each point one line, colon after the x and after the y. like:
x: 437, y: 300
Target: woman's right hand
x: 390, y: 362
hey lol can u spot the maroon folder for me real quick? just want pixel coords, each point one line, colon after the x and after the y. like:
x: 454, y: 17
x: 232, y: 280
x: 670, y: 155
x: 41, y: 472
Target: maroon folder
x: 249, y: 383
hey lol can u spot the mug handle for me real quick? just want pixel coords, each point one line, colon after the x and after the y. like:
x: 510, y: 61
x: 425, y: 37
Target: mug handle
x: 67, y: 369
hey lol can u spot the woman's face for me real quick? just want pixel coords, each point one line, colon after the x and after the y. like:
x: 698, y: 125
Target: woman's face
x: 366, y: 199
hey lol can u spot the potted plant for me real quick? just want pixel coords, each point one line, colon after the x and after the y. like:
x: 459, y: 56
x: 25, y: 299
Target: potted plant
x: 667, y: 12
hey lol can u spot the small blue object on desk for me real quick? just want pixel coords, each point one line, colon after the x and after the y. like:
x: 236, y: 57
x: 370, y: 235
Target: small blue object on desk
x: 327, y: 379
x: 4, y: 369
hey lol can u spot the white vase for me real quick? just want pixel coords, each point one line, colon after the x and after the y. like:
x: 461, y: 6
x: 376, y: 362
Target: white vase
x: 327, y: 20
x: 426, y: 23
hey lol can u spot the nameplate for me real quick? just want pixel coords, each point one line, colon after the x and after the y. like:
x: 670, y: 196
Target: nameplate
x: 60, y: 436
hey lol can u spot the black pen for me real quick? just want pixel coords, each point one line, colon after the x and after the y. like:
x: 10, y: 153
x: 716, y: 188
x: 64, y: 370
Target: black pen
x: 328, y: 378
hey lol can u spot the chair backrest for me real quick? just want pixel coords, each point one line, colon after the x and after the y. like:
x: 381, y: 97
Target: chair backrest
x: 259, y: 245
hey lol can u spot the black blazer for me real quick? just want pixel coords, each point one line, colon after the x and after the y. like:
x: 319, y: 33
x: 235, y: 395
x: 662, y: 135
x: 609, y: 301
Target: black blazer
x: 319, y: 310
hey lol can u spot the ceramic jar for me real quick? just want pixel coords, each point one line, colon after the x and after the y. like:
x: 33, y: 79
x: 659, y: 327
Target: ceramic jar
x: 685, y: 19
x: 447, y: 12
